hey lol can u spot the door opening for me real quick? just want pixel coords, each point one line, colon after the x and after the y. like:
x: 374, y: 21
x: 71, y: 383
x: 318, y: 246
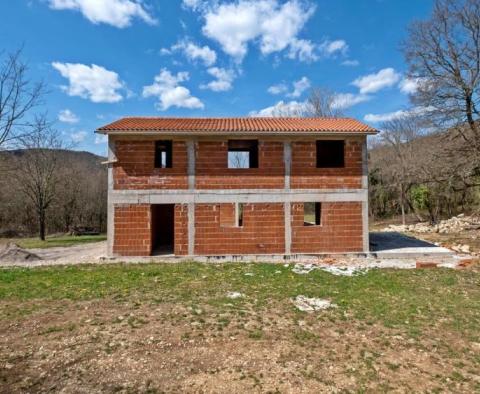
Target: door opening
x: 163, y: 225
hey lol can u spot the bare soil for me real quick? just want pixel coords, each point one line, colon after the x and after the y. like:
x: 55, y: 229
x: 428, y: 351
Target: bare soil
x: 110, y: 346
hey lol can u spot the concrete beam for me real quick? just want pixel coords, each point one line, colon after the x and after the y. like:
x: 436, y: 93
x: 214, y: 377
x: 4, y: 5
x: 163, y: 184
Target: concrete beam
x: 232, y: 196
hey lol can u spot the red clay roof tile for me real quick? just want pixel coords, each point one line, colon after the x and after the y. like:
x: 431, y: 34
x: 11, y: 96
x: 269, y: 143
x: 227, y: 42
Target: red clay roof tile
x: 205, y: 125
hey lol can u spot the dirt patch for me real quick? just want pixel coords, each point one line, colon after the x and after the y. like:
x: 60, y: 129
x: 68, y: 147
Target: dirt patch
x: 80, y: 254
x: 11, y: 252
x: 111, y: 346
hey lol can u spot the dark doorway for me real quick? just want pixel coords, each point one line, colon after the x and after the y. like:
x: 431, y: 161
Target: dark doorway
x: 163, y: 225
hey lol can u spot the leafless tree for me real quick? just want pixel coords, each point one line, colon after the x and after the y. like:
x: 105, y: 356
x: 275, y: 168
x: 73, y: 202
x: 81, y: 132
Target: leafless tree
x: 399, y: 134
x: 322, y: 103
x: 443, y: 54
x: 37, y: 167
x: 18, y: 95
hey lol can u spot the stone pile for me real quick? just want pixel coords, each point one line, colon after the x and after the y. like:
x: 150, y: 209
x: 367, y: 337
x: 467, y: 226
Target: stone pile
x: 455, y: 224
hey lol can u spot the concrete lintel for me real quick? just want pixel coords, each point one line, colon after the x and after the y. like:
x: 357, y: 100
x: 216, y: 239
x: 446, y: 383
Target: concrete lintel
x: 244, y: 196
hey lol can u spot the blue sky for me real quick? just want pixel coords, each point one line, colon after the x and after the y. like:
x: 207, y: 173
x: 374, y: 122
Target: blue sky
x: 104, y: 59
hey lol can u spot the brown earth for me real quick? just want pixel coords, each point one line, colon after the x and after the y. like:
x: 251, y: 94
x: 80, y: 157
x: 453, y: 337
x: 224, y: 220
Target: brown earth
x: 116, y: 346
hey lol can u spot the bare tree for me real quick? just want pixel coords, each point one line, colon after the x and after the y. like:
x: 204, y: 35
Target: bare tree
x: 399, y: 134
x: 37, y: 167
x: 18, y: 95
x: 443, y: 54
x: 322, y: 102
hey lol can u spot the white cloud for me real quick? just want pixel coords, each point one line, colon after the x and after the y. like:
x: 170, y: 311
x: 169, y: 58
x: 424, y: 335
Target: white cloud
x: 79, y: 136
x: 118, y: 13
x: 347, y: 100
x: 169, y: 93
x: 290, y: 108
x: 299, y: 87
x: 274, y: 26
x: 330, y: 48
x: 409, y: 85
x: 350, y: 63
x: 193, y: 4
x: 67, y: 116
x: 223, y: 81
x: 194, y: 52
x: 279, y: 88
x: 385, y: 117
x: 100, y: 138
x: 377, y: 81
x: 303, y: 50
x: 90, y: 82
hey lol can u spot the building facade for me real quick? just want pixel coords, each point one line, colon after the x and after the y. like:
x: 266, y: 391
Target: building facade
x: 237, y: 186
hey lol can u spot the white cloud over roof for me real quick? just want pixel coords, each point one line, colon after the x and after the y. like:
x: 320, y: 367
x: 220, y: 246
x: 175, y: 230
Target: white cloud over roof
x: 67, y: 116
x: 223, y: 79
x: 95, y: 83
x: 372, y: 83
x: 166, y: 87
x: 272, y: 25
x: 118, y: 13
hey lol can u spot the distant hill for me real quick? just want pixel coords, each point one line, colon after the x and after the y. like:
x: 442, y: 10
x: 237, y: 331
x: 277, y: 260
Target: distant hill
x: 87, y: 160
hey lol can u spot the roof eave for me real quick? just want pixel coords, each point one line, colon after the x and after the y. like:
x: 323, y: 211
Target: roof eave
x: 226, y: 132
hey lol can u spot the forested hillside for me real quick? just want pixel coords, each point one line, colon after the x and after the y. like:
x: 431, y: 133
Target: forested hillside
x: 78, y: 191
x: 427, y: 174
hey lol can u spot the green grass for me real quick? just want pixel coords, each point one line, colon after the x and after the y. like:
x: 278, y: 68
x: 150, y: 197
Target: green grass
x: 53, y: 241
x: 407, y: 299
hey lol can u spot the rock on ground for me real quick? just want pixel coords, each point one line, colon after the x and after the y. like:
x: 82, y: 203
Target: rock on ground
x: 11, y: 252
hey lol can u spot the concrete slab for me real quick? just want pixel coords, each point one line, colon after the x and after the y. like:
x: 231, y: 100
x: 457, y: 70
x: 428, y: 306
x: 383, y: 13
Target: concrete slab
x: 397, y: 245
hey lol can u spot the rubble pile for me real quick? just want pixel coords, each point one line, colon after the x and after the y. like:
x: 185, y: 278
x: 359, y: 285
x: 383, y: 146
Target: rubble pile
x: 455, y: 224
x: 11, y: 252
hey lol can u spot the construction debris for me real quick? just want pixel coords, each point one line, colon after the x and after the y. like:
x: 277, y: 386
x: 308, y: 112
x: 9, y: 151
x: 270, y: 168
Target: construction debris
x: 306, y: 304
x: 455, y: 224
x: 11, y: 252
x: 303, y: 269
x: 234, y: 295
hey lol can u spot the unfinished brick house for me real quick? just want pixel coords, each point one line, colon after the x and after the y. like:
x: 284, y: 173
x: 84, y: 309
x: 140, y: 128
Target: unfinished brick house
x: 236, y: 186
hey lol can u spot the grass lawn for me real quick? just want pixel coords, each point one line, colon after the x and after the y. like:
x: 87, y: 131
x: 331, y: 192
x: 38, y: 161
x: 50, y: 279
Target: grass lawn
x: 53, y: 241
x: 172, y: 328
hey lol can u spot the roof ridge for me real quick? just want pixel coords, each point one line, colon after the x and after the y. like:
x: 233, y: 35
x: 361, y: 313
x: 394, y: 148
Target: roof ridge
x: 238, y: 124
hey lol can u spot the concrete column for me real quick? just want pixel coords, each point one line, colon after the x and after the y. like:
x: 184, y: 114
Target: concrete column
x: 288, y: 227
x: 287, y: 160
x: 110, y: 205
x: 366, y: 238
x: 191, y: 186
x: 191, y: 164
x: 191, y: 228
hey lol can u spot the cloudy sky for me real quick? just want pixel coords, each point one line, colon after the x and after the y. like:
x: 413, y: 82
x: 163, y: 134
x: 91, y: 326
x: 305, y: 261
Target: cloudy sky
x: 104, y: 59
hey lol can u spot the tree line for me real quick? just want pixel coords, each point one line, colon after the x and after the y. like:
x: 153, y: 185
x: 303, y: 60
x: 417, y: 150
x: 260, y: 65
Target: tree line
x: 44, y: 186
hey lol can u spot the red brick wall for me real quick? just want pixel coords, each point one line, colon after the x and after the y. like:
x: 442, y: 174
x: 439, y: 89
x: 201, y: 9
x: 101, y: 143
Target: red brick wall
x: 135, y: 166
x: 132, y: 235
x: 340, y: 231
x: 181, y: 229
x: 212, y: 170
x: 262, y: 231
x: 305, y: 175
